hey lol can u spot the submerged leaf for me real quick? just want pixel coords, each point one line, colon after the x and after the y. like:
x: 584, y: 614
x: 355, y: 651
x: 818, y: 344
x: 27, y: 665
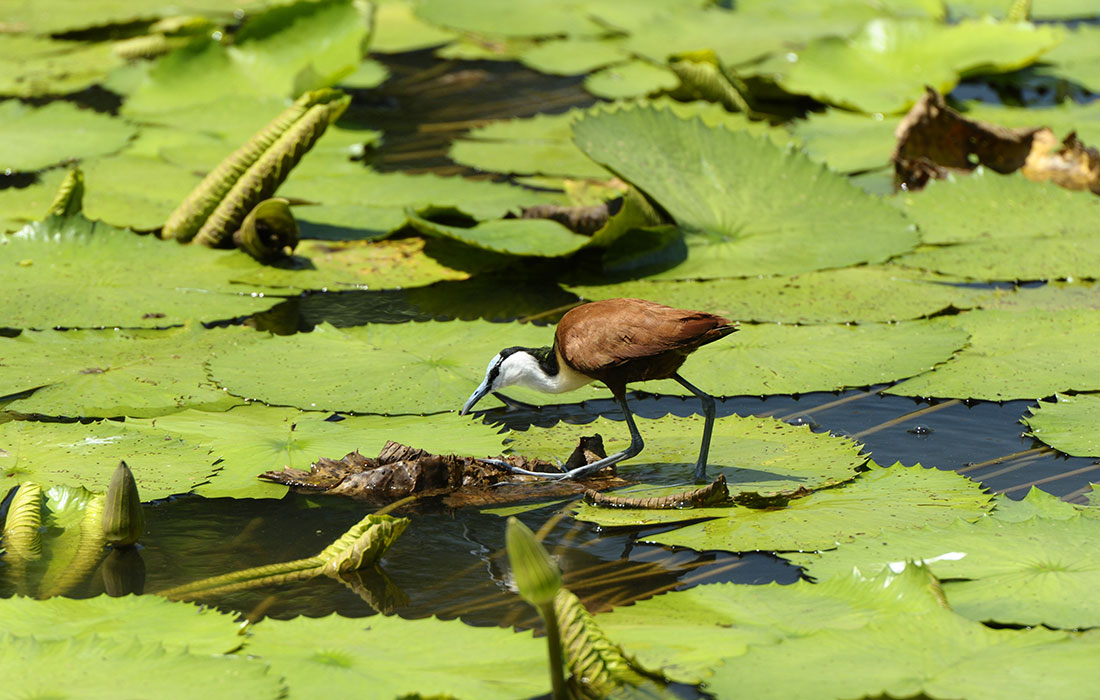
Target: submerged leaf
x: 361, y: 546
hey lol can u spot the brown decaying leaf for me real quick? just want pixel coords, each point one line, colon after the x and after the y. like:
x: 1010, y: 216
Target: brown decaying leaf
x: 714, y: 494
x: 400, y: 471
x: 583, y: 220
x: 1070, y: 164
x: 934, y: 140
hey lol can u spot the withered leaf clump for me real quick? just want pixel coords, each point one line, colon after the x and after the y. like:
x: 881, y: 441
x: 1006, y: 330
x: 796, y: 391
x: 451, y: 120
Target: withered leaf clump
x: 400, y: 471
x: 934, y: 140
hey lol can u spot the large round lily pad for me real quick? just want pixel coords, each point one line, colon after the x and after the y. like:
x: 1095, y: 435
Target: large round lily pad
x: 749, y: 207
x: 388, y: 369
x: 913, y: 496
x: 754, y: 454
x: 1029, y: 572
x: 77, y: 454
x: 858, y: 294
x: 249, y: 440
x: 1068, y: 424
x: 47, y: 266
x: 322, y: 656
x: 885, y: 67
x: 110, y: 373
x: 32, y: 138
x: 1016, y: 355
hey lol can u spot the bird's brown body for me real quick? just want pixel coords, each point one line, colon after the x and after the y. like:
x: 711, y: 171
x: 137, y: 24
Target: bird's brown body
x: 619, y: 341
x: 615, y: 341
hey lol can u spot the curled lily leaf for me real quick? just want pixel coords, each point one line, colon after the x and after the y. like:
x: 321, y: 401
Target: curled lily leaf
x: 22, y: 536
x: 269, y: 232
x: 69, y: 200
x: 361, y: 546
x: 218, y: 205
x: 537, y: 576
x: 703, y: 73
x: 713, y: 494
x: 123, y: 519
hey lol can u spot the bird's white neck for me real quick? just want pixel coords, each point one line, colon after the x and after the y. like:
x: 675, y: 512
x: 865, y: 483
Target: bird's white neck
x: 523, y: 369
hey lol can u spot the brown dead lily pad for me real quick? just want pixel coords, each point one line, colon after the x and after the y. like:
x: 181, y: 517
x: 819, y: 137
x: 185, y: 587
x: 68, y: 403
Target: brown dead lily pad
x: 934, y: 140
x: 400, y: 471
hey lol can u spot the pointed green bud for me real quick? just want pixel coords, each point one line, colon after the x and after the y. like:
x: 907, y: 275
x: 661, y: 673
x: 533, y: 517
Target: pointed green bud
x: 537, y: 576
x: 123, y: 519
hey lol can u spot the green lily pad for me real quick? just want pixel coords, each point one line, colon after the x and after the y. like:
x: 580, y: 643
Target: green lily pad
x: 1053, y: 296
x: 22, y: 205
x: 1084, y: 119
x: 784, y: 359
x: 397, y: 29
x: 33, y: 66
x: 885, y: 67
x: 75, y: 454
x: 82, y: 374
x: 148, y: 619
x: 335, y: 265
x: 249, y: 440
x: 687, y: 633
x: 749, y: 208
x: 740, y: 36
x: 1020, y: 259
x: 1068, y: 424
x: 32, y: 138
x: 540, y: 144
x: 862, y: 294
x: 134, y: 191
x: 44, y: 17
x: 1029, y: 572
x: 47, y: 266
x: 364, y: 203
x: 387, y: 369
x: 935, y: 653
x: 1077, y: 58
x: 755, y: 454
x: 509, y: 18
x: 985, y: 206
x: 282, y: 51
x: 1016, y: 355
x: 635, y: 78
x: 108, y: 668
x: 1043, y: 9
x: 571, y: 56
x: 322, y: 656
x: 823, y: 519
x: 1037, y: 503
x: 535, y: 237
x: 847, y: 142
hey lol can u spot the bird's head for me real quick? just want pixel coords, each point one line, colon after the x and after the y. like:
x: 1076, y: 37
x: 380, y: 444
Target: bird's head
x: 510, y: 366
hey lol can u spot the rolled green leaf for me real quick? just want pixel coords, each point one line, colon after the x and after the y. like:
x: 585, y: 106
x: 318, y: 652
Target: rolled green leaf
x: 537, y: 576
x: 123, y: 519
x: 69, y: 200
x: 218, y: 205
x: 22, y: 536
x: 269, y: 231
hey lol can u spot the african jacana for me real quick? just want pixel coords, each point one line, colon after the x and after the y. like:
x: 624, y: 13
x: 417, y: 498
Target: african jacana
x: 615, y: 341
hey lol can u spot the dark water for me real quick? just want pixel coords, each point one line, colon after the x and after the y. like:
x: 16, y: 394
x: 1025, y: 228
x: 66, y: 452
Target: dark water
x: 451, y: 564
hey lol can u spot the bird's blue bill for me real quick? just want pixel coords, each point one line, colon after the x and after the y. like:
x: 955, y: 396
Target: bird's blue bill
x: 478, y: 395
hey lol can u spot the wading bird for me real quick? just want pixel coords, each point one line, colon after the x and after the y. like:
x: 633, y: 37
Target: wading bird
x: 616, y: 341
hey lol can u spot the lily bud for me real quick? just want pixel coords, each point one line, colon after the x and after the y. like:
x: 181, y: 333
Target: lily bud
x: 537, y: 576
x: 123, y: 519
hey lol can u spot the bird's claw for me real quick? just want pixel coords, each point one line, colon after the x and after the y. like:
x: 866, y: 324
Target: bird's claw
x: 525, y: 472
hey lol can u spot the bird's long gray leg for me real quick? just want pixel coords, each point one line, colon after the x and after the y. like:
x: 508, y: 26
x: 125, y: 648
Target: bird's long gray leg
x: 708, y: 426
x: 636, y: 445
